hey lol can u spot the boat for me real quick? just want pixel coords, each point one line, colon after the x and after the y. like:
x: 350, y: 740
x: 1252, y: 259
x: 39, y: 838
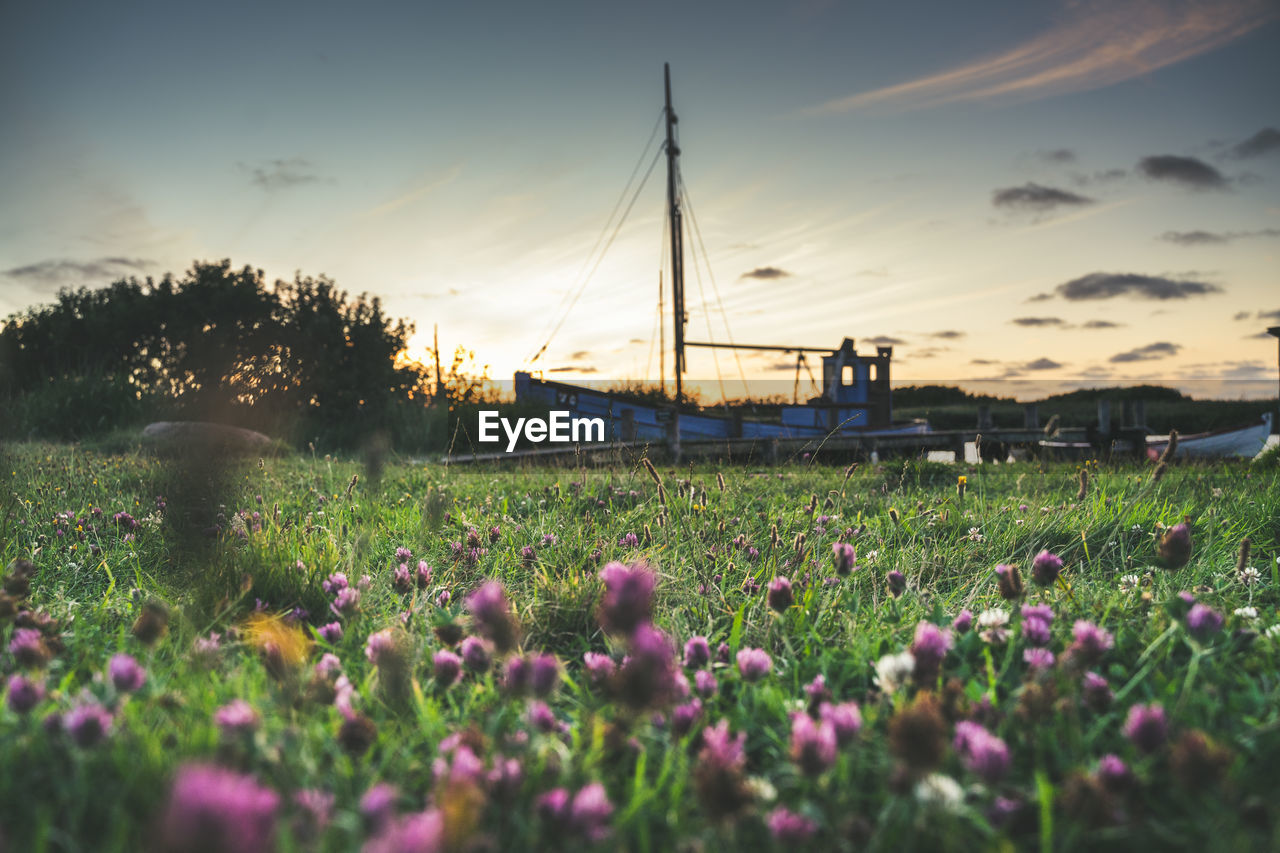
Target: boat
x: 855, y: 397
x: 1244, y: 441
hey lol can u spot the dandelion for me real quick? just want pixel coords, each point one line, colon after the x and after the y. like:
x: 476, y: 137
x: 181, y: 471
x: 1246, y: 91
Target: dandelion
x: 1146, y: 727
x: 892, y: 671
x: 754, y: 664
x: 211, y: 808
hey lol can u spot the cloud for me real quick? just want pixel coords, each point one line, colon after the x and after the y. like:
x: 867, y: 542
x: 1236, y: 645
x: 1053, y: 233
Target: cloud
x: 273, y: 175
x: 1104, y: 285
x: 1184, y: 171
x: 569, y: 368
x: 1038, y: 321
x: 1241, y: 315
x: 1150, y: 352
x: 580, y: 355
x: 873, y: 272
x: 1209, y: 238
x: 63, y: 271
x: 947, y: 334
x: 1102, y: 324
x: 1039, y: 297
x: 1057, y: 155
x: 1103, y: 176
x: 637, y: 341
x: 1263, y: 142
x: 884, y: 340
x: 1098, y: 44
x: 766, y: 273
x: 983, y: 361
x: 1034, y: 197
x: 1260, y: 336
x: 1041, y: 364
x: 1268, y: 315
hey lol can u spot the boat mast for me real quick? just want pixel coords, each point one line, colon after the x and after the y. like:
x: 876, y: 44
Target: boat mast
x: 677, y: 250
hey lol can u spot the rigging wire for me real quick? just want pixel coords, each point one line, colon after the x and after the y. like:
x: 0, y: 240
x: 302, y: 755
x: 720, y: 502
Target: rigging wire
x: 582, y: 287
x: 604, y: 230
x: 706, y: 259
x: 658, y: 327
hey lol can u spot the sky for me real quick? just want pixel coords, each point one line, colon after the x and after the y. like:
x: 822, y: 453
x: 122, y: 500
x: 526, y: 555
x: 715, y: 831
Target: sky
x: 1013, y: 195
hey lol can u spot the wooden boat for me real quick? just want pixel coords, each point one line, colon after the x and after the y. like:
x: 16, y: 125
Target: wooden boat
x: 1243, y: 441
x: 855, y: 397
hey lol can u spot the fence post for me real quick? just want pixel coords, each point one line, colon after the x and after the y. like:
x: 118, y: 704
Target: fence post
x: 1031, y: 416
x: 1104, y: 417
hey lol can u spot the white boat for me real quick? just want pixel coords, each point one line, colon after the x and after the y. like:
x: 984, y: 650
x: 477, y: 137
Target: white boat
x: 1245, y: 441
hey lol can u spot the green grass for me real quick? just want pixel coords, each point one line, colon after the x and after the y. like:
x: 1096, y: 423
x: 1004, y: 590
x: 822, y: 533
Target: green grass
x: 314, y: 521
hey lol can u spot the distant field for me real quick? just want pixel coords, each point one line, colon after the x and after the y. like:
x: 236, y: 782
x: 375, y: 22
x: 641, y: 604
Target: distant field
x: 901, y: 701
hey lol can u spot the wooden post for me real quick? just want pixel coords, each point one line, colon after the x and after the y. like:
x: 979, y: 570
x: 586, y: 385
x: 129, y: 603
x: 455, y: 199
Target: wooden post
x: 1031, y: 416
x: 1104, y: 417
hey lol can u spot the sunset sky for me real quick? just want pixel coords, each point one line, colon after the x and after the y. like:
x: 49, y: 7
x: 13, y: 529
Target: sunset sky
x: 1056, y: 192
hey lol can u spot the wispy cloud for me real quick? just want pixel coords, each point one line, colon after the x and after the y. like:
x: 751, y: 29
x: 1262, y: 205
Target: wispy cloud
x: 1036, y: 198
x: 1102, y: 324
x: 275, y: 175
x: 1161, y: 349
x: 1042, y: 364
x: 1212, y: 238
x: 1038, y: 321
x: 1184, y: 171
x: 64, y: 271
x: 884, y: 341
x: 1096, y: 45
x: 766, y: 273
x: 947, y: 334
x: 1263, y: 142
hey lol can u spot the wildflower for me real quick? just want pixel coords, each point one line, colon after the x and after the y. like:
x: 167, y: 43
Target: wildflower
x: 1038, y: 658
x: 929, y: 647
x: 940, y: 791
x: 1113, y: 772
x: 982, y: 752
x: 420, y: 831
x: 817, y: 690
x: 1035, y: 631
x: 356, y: 734
x: 1197, y: 761
x: 491, y: 615
x: 1009, y: 581
x: 1128, y: 583
x: 697, y: 652
x: 1097, y: 693
x: 780, y: 595
x: 1247, y: 612
x: 24, y: 694
x: 330, y: 633
x: 476, y: 654
x: 1091, y: 642
x: 1045, y: 568
x: 235, y: 718
x: 722, y: 653
x: 630, y: 540
x: 1146, y: 727
x: 718, y: 774
x: 705, y: 684
x: 845, y: 719
x: 600, y: 668
x: 628, y: 596
x: 314, y: 812
x: 446, y: 667
x: 845, y: 558
x: 88, y: 724
x: 897, y: 583
x: 684, y: 716
x: 917, y: 734
x: 211, y: 808
x: 335, y: 583
x: 28, y: 647
x: 975, y: 535
x: 648, y: 674
x: 590, y: 812
x: 422, y: 576
x: 379, y: 646
x: 1174, y: 547
x: 754, y: 664
x: 346, y: 602
x: 813, y: 744
x: 963, y: 622
x: 1203, y: 622
x: 892, y: 671
x: 991, y: 624
x: 542, y: 718
x: 544, y: 674
x: 403, y: 554
x: 1250, y: 576
x: 787, y: 827
x: 378, y: 805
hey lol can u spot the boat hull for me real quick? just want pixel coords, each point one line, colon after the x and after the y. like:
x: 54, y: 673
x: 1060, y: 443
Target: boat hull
x: 1242, y: 441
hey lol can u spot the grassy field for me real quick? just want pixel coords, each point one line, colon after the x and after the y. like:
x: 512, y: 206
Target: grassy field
x: 300, y: 654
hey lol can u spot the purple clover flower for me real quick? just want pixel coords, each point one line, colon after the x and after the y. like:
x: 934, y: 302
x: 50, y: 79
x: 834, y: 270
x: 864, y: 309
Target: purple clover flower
x: 235, y: 718
x: 813, y: 744
x: 87, y: 724
x: 477, y: 654
x: 211, y: 808
x: 628, y: 596
x: 24, y: 694
x: 1146, y: 727
x: 126, y: 673
x: 1203, y: 622
x: 787, y: 827
x: 754, y: 664
x: 446, y: 667
x: 1045, y: 568
x: 697, y: 652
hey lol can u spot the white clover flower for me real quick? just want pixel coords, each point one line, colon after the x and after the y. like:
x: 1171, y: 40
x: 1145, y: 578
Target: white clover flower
x: 1250, y: 576
x: 992, y: 626
x: 1247, y: 612
x: 892, y: 671
x: 1129, y: 583
x: 940, y: 790
x: 1273, y: 633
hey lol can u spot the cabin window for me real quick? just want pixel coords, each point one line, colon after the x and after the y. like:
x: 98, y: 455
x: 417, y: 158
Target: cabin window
x: 871, y: 373
x: 846, y: 375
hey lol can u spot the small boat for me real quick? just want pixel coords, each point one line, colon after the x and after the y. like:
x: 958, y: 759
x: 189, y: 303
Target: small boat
x: 1244, y: 441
